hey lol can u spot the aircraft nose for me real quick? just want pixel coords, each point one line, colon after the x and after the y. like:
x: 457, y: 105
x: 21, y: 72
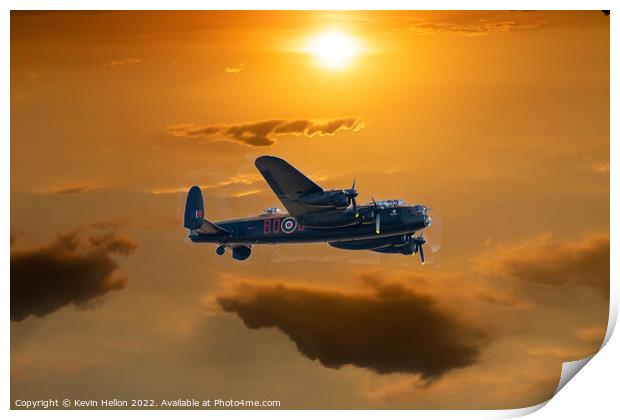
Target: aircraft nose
x: 427, y: 220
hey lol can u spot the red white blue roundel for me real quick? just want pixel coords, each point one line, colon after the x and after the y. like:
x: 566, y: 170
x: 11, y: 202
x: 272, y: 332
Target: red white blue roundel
x: 288, y: 225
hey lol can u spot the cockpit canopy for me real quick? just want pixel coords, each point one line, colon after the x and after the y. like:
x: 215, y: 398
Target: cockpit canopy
x: 270, y: 211
x: 391, y: 203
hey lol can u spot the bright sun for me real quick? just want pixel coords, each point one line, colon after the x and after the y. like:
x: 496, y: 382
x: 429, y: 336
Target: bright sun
x: 333, y: 49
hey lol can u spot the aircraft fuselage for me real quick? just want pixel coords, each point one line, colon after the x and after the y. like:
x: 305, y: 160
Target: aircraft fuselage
x: 283, y: 228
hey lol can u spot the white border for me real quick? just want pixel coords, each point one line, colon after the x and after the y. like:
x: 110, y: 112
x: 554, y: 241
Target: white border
x: 593, y: 394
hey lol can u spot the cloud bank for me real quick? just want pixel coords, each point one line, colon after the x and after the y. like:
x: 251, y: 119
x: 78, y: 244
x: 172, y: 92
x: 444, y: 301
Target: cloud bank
x: 264, y: 133
x: 544, y: 261
x: 387, y: 328
x: 67, y: 271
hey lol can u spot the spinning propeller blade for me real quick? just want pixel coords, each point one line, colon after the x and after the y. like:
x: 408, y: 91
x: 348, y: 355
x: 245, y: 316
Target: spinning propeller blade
x: 351, y: 193
x: 377, y: 214
x: 419, y: 247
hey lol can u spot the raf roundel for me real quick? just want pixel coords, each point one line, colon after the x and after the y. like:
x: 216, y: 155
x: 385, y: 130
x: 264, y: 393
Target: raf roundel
x: 288, y: 225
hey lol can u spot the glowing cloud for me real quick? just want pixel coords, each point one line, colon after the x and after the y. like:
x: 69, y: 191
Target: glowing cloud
x: 263, y: 133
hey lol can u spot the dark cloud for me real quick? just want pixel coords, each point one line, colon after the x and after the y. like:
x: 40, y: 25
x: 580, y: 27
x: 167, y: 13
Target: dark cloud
x: 387, y: 327
x: 544, y: 261
x: 67, y: 271
x: 263, y: 133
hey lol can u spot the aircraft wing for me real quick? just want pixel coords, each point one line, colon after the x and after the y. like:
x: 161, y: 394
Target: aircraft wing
x: 287, y: 183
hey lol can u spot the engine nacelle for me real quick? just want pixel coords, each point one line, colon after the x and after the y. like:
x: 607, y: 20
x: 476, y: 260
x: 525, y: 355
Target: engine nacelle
x: 333, y: 198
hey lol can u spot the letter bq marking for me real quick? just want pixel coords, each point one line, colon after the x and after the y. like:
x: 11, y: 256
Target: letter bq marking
x: 267, y: 226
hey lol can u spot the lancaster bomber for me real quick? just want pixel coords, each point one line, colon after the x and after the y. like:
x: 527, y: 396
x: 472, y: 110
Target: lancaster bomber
x: 314, y: 215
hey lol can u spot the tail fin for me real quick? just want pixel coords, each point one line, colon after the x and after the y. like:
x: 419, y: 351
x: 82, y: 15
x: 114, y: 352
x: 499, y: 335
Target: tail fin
x: 194, y: 209
x: 195, y: 215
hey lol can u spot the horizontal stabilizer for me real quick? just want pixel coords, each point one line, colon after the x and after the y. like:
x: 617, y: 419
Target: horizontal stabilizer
x: 210, y: 228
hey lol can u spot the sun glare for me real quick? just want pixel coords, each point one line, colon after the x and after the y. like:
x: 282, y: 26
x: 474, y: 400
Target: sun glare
x: 333, y: 49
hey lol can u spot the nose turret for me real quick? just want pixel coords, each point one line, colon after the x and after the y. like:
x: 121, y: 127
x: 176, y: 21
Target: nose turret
x: 422, y: 211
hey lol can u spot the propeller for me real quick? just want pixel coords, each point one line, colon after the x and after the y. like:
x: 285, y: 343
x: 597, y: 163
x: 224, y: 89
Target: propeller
x: 377, y: 213
x: 351, y: 193
x: 421, y: 250
x: 418, y: 244
x: 434, y: 233
x: 434, y: 238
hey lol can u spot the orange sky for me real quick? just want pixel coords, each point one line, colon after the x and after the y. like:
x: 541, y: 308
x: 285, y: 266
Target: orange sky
x: 498, y: 121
